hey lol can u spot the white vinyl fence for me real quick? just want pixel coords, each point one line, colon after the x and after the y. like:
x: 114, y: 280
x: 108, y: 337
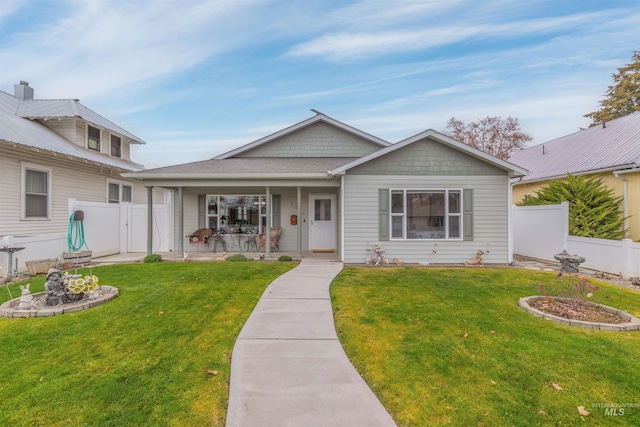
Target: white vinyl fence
x: 109, y: 228
x: 543, y: 231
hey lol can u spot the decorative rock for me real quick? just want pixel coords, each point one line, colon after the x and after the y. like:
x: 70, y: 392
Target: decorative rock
x: 569, y: 263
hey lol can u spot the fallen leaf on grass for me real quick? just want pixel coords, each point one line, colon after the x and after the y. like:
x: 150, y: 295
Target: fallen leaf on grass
x: 486, y: 414
x: 582, y: 411
x: 211, y: 371
x: 493, y: 382
x: 541, y: 412
x: 162, y: 312
x: 492, y: 332
x: 556, y: 386
x: 465, y: 335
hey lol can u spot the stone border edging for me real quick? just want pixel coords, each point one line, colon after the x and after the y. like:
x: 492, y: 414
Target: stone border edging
x: 632, y: 324
x: 9, y: 309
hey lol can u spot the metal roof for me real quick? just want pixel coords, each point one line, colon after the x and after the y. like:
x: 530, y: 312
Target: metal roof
x: 614, y: 145
x: 56, y: 108
x: 31, y: 133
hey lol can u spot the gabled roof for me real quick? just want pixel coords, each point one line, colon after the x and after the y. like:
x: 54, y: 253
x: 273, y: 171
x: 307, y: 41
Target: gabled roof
x: 612, y: 146
x: 512, y: 169
x: 319, y: 117
x: 30, y: 133
x: 66, y: 108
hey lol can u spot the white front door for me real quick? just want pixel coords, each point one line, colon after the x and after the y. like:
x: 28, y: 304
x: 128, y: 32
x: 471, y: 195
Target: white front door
x: 322, y: 222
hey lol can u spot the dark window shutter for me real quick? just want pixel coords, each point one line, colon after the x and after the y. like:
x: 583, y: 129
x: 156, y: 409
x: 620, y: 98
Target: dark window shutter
x: 202, y: 210
x: 275, y: 210
x: 383, y: 221
x: 467, y: 214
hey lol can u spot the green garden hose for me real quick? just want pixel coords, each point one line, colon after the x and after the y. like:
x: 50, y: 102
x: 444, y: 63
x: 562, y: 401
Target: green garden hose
x: 76, y: 235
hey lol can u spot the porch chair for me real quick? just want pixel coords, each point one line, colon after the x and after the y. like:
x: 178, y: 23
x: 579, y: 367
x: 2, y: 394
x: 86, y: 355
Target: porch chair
x: 200, y: 237
x: 218, y: 237
x: 252, y: 239
x: 275, y: 239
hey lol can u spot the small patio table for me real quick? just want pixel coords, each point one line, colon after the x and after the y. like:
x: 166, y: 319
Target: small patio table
x: 10, y: 251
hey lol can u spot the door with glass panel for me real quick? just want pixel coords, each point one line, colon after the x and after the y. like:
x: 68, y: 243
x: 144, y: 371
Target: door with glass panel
x: 322, y: 222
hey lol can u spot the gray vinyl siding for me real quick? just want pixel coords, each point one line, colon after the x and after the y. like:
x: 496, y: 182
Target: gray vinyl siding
x: 79, y: 180
x: 491, y: 211
x: 317, y: 140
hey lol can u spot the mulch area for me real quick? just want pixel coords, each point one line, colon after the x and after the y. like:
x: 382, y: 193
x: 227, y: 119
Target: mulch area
x: 576, y: 311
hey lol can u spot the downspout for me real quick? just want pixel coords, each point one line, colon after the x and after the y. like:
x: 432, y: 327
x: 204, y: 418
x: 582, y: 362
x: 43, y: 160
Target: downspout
x: 624, y: 201
x: 510, y: 218
x: 342, y: 250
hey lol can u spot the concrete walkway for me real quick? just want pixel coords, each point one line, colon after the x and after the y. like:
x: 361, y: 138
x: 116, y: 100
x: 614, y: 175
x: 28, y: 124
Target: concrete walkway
x: 288, y: 367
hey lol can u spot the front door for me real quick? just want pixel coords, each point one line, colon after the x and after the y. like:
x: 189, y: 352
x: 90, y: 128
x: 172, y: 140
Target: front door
x: 322, y: 224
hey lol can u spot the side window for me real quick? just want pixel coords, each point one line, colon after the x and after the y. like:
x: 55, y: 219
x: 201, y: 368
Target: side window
x: 117, y: 192
x: 36, y: 192
x: 116, y: 146
x: 93, y: 138
x: 114, y: 193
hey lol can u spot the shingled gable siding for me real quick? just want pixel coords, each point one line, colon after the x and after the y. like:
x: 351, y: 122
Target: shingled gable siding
x: 317, y: 140
x: 420, y: 166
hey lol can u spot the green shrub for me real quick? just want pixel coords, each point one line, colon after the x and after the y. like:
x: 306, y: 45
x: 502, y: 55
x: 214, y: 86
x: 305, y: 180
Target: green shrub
x: 285, y: 258
x: 152, y: 258
x: 239, y: 258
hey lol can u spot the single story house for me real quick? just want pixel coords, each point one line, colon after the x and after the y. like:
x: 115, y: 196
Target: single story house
x: 609, y: 151
x: 331, y: 187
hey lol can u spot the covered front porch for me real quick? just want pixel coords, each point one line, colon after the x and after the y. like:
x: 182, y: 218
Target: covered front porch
x: 306, y: 214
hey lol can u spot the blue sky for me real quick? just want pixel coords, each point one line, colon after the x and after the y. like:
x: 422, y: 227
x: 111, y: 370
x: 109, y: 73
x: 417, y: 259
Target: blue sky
x: 196, y: 78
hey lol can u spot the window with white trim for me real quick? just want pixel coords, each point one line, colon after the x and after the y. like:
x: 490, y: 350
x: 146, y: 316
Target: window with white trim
x: 93, y: 138
x: 117, y: 192
x: 116, y: 146
x: 426, y: 214
x: 36, y: 191
x: 231, y: 212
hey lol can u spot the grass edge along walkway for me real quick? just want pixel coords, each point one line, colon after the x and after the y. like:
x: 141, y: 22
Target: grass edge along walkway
x: 450, y: 346
x: 142, y: 358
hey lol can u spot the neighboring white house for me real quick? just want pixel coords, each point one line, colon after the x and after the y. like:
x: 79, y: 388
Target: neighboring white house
x: 54, y: 152
x: 332, y: 187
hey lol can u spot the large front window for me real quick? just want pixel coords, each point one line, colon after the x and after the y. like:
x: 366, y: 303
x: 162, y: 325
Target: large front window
x: 426, y: 214
x: 236, y: 213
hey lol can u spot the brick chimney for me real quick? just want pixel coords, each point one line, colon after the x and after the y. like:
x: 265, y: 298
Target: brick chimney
x: 22, y: 90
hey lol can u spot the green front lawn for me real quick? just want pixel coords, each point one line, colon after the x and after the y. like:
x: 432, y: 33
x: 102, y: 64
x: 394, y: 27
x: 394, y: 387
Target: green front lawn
x: 138, y: 360
x: 451, y: 347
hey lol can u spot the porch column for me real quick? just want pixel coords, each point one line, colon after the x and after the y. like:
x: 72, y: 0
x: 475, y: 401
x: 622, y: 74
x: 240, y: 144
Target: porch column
x: 180, y: 245
x: 267, y: 230
x: 299, y: 226
x: 149, y: 220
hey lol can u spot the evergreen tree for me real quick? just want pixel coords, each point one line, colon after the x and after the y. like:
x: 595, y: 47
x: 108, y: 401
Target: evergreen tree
x: 623, y: 97
x: 593, y: 208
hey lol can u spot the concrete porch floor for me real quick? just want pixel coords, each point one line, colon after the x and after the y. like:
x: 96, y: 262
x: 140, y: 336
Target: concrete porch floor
x: 208, y: 255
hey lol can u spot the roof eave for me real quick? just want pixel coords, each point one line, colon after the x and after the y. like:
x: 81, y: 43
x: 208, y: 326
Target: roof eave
x: 225, y: 176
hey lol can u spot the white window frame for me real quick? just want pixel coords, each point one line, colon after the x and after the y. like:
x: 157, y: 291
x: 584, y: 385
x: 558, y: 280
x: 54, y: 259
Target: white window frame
x: 120, y: 185
x: 24, y: 166
x: 447, y: 214
x: 111, y: 136
x: 99, y: 140
x: 216, y: 217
